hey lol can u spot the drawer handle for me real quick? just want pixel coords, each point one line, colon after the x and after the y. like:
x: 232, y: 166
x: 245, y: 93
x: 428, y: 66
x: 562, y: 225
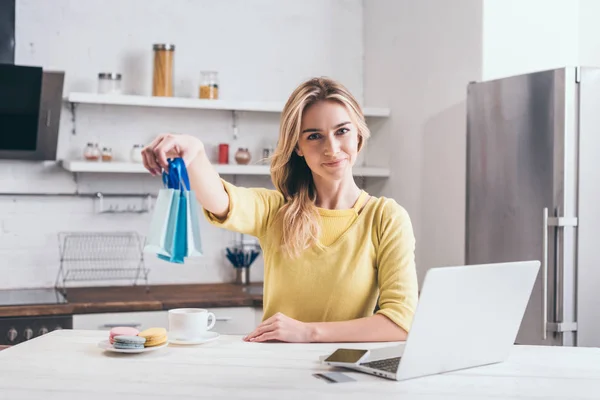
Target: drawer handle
x: 224, y: 319
x: 131, y: 325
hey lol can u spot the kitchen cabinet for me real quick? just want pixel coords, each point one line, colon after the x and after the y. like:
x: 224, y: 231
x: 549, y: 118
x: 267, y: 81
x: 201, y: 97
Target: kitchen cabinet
x: 235, y: 320
x: 230, y: 320
x: 106, y: 321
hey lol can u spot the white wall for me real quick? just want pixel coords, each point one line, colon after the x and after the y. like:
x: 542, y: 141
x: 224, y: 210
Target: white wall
x: 589, y: 33
x: 419, y: 57
x: 521, y: 36
x: 262, y: 50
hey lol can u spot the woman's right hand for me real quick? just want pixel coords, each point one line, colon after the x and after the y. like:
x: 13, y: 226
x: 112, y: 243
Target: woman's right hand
x: 167, y: 146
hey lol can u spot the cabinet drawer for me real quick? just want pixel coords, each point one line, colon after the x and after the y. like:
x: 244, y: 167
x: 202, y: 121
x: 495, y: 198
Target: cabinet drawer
x: 234, y: 320
x: 258, y: 315
x: 230, y: 320
x: 140, y: 320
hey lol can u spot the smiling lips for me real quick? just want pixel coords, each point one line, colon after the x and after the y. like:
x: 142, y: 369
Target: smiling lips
x: 335, y: 163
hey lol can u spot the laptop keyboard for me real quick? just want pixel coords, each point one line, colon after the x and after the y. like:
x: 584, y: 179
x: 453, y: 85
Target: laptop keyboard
x: 388, y: 365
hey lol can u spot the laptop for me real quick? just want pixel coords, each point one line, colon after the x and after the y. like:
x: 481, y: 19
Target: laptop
x: 467, y: 316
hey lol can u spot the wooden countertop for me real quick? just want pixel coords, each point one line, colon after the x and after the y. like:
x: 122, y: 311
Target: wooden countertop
x: 135, y: 298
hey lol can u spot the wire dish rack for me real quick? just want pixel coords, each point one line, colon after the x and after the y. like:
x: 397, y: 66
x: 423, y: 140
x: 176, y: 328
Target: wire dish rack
x: 100, y: 256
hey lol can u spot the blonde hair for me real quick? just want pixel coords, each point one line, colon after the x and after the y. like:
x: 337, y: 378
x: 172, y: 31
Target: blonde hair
x: 290, y: 173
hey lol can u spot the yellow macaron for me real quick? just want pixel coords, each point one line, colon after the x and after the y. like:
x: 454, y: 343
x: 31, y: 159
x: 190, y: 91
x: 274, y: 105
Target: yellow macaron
x: 154, y: 336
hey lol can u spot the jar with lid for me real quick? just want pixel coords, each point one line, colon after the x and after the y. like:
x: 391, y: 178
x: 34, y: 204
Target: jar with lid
x: 136, y: 153
x: 242, y: 156
x: 162, y: 80
x: 267, y: 154
x: 209, y: 85
x: 109, y: 83
x: 223, y: 153
x: 107, y: 154
x: 91, y: 152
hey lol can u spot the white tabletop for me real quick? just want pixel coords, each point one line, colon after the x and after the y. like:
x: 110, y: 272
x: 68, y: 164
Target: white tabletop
x: 68, y: 365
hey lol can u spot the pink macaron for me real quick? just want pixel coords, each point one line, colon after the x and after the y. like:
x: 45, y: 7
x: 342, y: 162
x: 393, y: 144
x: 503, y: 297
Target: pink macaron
x: 122, y: 331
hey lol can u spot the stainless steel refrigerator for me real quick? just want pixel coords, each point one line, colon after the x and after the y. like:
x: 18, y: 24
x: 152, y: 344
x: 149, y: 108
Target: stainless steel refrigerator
x: 533, y: 193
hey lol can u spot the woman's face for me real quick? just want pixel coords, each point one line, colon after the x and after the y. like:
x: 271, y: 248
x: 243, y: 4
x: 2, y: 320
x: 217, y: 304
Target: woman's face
x: 328, y: 140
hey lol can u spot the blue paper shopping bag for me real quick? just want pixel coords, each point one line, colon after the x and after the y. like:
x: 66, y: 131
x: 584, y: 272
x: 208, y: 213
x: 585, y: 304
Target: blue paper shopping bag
x: 174, y: 230
x: 188, y: 205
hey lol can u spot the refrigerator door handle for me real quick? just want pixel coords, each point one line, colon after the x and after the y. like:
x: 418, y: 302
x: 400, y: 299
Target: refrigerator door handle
x: 558, y: 223
x: 562, y: 327
x: 563, y: 221
x: 545, y: 274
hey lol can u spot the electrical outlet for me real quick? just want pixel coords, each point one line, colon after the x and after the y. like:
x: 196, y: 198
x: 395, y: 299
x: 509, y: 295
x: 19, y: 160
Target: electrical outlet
x: 124, y: 205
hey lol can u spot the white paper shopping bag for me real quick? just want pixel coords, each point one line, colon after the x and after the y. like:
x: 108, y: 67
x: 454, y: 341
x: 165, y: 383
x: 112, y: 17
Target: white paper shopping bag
x: 159, y: 239
x: 194, y: 244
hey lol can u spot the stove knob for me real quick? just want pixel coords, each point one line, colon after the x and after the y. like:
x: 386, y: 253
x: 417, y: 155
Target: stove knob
x: 43, y: 331
x: 58, y: 328
x: 12, y: 335
x: 28, y: 333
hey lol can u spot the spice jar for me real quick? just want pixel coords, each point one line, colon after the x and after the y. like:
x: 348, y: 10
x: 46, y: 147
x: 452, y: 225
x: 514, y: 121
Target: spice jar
x: 91, y: 152
x: 223, y: 153
x: 162, y: 81
x: 242, y: 156
x: 267, y: 154
x: 107, y: 154
x: 136, y: 153
x: 209, y: 85
x: 109, y: 83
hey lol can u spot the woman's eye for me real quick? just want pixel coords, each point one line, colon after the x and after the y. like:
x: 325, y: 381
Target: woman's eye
x: 313, y: 136
x: 343, y: 130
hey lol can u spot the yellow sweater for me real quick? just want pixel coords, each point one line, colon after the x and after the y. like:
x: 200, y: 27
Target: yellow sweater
x: 362, y: 256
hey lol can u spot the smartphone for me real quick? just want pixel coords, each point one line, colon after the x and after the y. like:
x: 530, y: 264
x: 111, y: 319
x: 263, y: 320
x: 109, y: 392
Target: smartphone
x: 343, y: 357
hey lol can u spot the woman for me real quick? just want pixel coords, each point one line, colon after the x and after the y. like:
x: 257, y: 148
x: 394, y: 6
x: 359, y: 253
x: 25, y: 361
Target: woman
x: 330, y: 249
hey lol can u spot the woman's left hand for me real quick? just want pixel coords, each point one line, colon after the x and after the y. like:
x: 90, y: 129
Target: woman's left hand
x: 282, y: 328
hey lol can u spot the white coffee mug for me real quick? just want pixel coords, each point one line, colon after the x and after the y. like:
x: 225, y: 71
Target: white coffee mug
x: 189, y: 323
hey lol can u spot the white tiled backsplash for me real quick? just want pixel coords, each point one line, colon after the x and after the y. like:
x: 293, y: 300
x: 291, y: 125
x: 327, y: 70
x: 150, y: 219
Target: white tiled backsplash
x: 262, y: 50
x: 29, y: 246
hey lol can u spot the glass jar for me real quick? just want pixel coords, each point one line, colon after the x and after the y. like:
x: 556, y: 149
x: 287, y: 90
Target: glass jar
x: 209, y: 85
x: 162, y: 80
x: 242, y: 156
x: 109, y: 83
x: 107, y: 154
x: 267, y: 154
x: 223, y: 153
x: 91, y: 152
x: 136, y: 153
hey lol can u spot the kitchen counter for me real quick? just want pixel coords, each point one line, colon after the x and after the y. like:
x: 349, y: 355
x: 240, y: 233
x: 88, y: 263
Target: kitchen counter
x: 135, y: 298
x: 68, y: 364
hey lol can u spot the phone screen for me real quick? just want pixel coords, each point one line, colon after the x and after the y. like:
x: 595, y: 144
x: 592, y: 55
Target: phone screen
x: 346, y: 355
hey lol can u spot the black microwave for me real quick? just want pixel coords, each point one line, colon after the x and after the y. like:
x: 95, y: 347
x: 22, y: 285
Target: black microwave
x: 30, y: 107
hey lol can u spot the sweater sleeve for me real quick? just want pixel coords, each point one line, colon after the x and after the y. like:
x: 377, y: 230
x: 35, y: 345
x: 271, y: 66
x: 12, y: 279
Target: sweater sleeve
x: 397, y: 276
x: 251, y: 210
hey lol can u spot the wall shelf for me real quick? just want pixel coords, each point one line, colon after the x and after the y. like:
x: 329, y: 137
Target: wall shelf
x: 230, y: 169
x: 191, y: 103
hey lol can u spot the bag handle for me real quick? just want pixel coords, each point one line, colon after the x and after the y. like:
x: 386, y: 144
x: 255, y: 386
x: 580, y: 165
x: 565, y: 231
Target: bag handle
x: 177, y: 177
